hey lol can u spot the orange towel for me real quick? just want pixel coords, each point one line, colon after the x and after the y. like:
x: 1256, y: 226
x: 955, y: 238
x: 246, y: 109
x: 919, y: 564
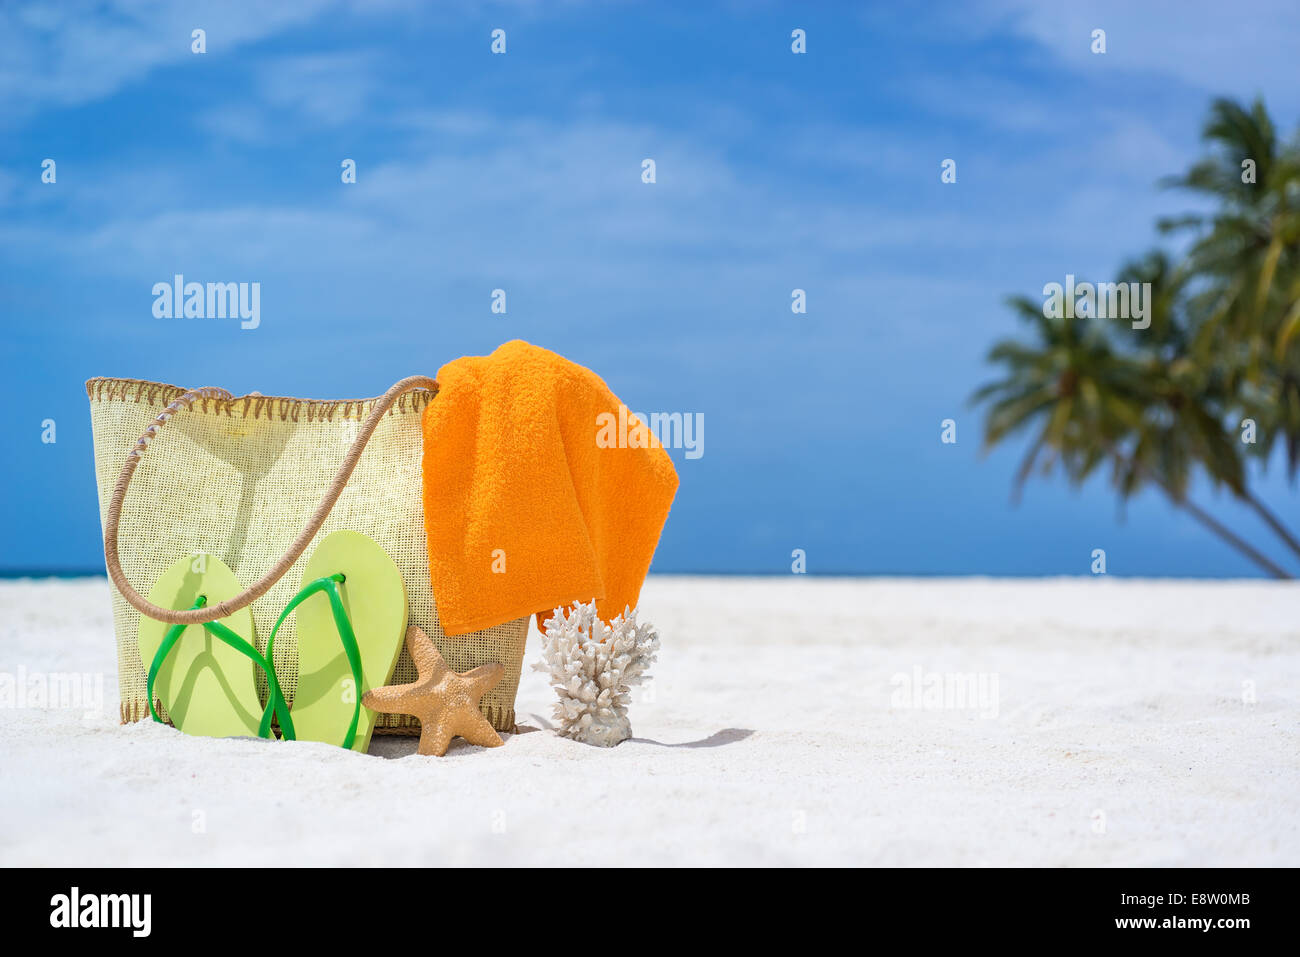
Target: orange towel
x: 524, y: 511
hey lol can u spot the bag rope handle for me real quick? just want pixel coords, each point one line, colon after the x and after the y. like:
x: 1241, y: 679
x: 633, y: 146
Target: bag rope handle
x: 198, y: 616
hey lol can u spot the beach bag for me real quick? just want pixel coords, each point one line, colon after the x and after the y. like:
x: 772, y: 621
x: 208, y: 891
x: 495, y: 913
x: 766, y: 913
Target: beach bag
x: 253, y: 480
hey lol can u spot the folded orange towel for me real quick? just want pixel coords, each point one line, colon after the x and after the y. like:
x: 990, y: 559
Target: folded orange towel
x: 524, y: 510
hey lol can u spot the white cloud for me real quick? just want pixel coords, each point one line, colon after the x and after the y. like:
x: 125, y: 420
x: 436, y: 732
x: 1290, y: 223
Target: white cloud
x: 327, y: 88
x: 533, y: 200
x: 71, y: 53
x: 289, y: 92
x: 1237, y: 49
x: 79, y: 51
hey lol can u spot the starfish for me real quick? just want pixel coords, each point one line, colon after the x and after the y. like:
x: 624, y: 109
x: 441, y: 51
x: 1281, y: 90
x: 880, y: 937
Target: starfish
x: 445, y: 702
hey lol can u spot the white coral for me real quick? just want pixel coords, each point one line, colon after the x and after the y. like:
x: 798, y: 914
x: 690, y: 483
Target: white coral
x: 593, y: 666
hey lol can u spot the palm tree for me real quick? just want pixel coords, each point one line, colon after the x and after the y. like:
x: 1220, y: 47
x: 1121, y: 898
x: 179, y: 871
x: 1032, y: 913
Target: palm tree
x: 1247, y: 256
x: 1069, y: 385
x: 1223, y: 346
x: 1186, y: 402
x: 1090, y: 403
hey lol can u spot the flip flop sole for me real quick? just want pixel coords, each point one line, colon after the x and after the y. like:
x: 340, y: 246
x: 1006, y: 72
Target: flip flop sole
x: 374, y: 596
x: 208, y: 688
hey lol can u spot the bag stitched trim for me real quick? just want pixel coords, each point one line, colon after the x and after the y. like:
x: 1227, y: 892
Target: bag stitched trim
x: 279, y: 407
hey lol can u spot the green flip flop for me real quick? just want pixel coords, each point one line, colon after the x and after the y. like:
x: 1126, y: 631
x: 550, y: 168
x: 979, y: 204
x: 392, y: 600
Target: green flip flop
x: 351, y: 626
x: 204, y: 675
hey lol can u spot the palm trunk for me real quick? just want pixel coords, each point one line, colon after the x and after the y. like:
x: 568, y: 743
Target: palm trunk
x: 1271, y: 520
x: 1240, y: 544
x: 1214, y: 525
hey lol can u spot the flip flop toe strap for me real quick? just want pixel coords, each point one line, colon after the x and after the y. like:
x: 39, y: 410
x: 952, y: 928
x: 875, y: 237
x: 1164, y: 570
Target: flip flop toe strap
x: 222, y: 633
x: 347, y: 637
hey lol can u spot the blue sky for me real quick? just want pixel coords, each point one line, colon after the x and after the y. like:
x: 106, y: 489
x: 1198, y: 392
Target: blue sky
x: 522, y: 171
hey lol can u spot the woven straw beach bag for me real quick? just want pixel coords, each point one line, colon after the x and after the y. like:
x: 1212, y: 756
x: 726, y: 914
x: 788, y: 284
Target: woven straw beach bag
x: 253, y: 480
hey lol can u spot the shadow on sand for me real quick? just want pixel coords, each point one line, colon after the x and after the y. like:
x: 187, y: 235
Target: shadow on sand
x: 395, y: 746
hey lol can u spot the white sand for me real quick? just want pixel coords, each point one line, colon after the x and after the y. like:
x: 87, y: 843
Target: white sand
x: 769, y: 738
